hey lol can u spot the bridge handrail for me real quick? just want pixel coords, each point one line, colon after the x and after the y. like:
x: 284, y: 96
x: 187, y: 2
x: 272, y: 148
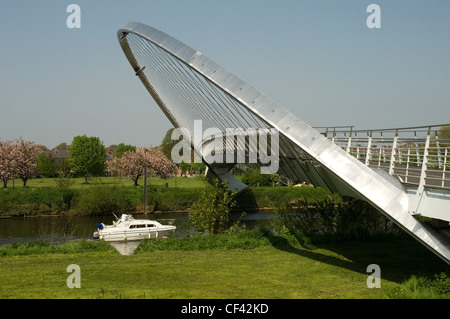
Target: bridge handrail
x: 423, y: 160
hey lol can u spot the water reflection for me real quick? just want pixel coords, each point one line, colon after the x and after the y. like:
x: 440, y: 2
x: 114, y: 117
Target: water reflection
x: 125, y: 247
x: 63, y: 228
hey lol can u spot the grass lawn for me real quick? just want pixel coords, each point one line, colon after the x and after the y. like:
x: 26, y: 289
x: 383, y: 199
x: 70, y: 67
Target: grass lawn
x: 257, y: 273
x: 189, y: 182
x: 271, y: 269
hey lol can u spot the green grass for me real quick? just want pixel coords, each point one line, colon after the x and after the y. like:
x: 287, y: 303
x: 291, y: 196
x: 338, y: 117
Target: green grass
x: 252, y: 264
x: 103, y: 195
x: 195, y: 181
x: 99, y: 196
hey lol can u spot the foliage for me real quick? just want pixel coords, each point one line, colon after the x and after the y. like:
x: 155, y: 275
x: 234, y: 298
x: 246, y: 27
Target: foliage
x: 62, y: 146
x: 63, y: 182
x: 444, y: 134
x: 211, y: 213
x: 248, y: 239
x: 89, y: 199
x: 45, y: 165
x: 103, y: 200
x: 87, y: 156
x: 423, y: 287
x: 43, y: 195
x: 25, y: 160
x: 253, y: 177
x: 132, y: 164
x: 332, y: 220
x: 17, y: 159
x: 6, y: 159
x: 122, y: 148
x: 167, y: 143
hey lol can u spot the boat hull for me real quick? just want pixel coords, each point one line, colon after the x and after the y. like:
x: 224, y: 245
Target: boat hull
x: 135, y: 234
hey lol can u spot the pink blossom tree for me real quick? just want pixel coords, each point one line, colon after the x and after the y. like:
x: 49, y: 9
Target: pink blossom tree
x: 25, y: 160
x: 132, y: 163
x: 7, y: 170
x: 17, y: 159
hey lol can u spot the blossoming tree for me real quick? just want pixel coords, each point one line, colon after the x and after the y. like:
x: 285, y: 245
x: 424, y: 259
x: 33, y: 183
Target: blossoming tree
x: 7, y: 171
x: 133, y: 163
x: 25, y: 160
x: 17, y: 159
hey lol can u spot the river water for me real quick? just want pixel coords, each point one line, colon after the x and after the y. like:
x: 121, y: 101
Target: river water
x: 59, y: 228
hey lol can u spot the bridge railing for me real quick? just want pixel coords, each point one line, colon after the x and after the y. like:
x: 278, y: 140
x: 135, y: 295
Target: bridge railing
x: 417, y: 156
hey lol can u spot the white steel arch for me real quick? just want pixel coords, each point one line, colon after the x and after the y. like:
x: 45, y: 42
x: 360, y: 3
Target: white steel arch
x: 188, y: 86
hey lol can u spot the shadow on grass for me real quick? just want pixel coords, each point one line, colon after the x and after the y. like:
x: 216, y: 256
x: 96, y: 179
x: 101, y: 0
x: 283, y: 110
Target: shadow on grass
x: 399, y: 258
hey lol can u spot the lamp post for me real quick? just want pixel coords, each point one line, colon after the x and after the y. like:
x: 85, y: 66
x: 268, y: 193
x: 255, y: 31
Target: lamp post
x: 145, y: 182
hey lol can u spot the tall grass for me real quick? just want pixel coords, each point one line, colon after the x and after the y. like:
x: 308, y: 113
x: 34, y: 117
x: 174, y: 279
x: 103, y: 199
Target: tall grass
x: 423, y: 287
x: 248, y: 239
x: 101, y: 200
x: 45, y: 247
x: 104, y: 195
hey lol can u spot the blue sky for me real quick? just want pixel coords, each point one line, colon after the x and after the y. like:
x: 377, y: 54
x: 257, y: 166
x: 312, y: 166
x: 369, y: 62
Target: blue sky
x: 316, y: 58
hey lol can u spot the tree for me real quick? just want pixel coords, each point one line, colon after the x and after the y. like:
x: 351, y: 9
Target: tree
x: 25, y: 160
x: 211, y: 213
x: 7, y: 170
x: 132, y: 163
x: 444, y: 134
x: 87, y: 156
x: 17, y: 159
x: 200, y: 167
x: 63, y: 181
x: 62, y: 146
x: 122, y: 148
x: 253, y: 177
x: 167, y: 143
x: 45, y: 165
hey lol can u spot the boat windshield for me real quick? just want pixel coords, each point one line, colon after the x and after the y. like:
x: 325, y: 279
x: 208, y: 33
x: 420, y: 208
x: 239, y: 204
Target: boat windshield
x: 126, y: 218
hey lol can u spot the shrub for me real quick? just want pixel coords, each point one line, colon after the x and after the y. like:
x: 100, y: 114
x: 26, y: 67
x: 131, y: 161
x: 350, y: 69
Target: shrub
x: 253, y: 177
x: 102, y: 200
x: 436, y: 287
x: 332, y: 220
x: 211, y: 213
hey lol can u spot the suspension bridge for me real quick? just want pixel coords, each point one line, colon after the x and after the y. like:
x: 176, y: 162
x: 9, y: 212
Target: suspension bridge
x: 402, y: 172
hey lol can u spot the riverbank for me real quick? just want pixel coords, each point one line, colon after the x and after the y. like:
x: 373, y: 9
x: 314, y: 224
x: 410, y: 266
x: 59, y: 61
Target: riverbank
x: 251, y: 264
x: 108, y: 194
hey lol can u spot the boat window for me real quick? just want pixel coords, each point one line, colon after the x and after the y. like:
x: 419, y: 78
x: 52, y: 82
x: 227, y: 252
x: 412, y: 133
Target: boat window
x: 142, y: 226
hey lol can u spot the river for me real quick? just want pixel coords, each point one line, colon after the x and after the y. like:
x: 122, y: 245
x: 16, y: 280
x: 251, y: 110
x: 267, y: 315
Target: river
x: 59, y: 228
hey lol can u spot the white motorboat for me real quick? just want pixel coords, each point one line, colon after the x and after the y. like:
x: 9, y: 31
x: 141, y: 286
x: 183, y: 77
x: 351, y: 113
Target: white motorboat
x: 127, y: 228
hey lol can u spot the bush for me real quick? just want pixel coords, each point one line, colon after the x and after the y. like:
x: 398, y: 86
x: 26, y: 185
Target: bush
x: 211, y: 213
x: 103, y: 200
x: 437, y: 287
x: 253, y: 177
x: 332, y: 220
x: 29, y: 201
